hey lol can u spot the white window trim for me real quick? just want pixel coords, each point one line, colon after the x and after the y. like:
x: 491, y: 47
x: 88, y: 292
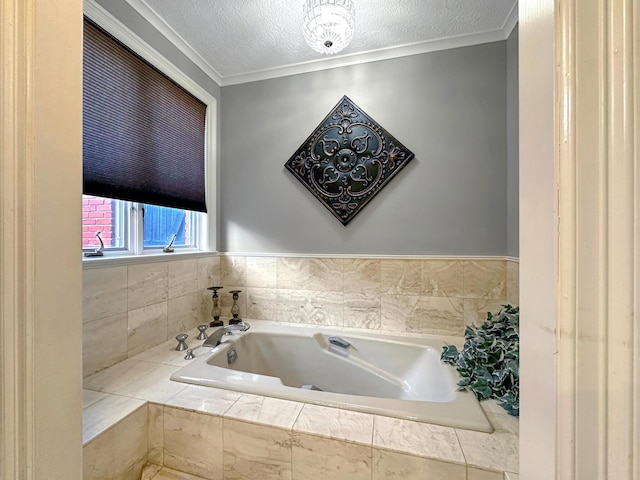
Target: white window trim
x: 207, y: 229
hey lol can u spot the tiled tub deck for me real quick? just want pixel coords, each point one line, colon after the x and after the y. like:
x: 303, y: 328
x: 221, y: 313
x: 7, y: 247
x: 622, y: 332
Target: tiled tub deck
x: 134, y: 415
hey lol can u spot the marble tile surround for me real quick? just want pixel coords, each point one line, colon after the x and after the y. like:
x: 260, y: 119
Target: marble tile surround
x: 131, y: 314
x: 120, y: 452
x: 355, y: 291
x: 422, y: 295
x: 132, y: 308
x: 210, y: 433
x: 390, y: 466
x: 192, y: 444
x: 128, y: 309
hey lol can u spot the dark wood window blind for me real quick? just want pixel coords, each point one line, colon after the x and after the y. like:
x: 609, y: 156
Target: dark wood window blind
x: 143, y: 135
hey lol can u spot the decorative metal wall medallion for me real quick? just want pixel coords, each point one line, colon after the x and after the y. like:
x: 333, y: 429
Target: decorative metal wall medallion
x: 347, y: 160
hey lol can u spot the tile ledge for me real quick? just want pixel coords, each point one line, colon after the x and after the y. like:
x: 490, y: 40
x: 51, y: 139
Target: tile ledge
x: 125, y: 260
x: 293, y: 432
x: 115, y: 421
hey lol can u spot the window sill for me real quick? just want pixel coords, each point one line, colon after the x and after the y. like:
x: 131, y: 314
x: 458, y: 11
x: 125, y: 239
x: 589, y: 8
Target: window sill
x: 118, y: 259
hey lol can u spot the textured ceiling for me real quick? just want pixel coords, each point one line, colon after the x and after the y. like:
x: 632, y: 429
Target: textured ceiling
x: 233, y: 38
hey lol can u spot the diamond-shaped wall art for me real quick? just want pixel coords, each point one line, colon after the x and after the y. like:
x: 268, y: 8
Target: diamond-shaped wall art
x: 347, y: 160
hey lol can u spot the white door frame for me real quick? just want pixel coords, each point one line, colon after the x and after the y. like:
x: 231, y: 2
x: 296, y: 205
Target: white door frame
x: 40, y: 263
x: 579, y: 239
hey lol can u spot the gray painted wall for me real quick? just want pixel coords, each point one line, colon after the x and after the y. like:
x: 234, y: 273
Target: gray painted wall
x: 513, y: 192
x: 448, y: 107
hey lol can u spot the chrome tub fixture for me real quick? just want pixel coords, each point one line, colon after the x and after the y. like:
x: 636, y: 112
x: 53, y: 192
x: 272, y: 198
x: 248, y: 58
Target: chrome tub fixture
x: 215, y: 338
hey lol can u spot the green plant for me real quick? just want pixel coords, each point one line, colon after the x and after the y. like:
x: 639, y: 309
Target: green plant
x: 489, y: 361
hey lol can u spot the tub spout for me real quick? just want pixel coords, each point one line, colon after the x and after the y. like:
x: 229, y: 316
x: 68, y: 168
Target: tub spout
x: 215, y: 338
x: 340, y: 342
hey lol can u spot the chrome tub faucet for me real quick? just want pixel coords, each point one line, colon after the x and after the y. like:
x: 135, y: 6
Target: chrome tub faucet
x: 215, y: 338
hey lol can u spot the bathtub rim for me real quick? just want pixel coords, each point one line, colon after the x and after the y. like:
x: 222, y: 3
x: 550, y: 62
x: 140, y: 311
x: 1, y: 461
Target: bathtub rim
x: 463, y: 412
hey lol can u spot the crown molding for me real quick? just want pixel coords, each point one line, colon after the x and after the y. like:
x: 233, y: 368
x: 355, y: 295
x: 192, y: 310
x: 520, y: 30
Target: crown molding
x: 181, y: 44
x: 324, y: 63
x: 115, y: 27
x: 366, y: 57
x: 511, y: 21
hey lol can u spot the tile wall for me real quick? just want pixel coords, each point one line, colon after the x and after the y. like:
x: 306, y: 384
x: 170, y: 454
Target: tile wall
x: 252, y: 437
x: 121, y: 452
x: 131, y: 308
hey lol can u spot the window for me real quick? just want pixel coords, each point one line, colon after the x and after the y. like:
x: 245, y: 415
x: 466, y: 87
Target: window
x: 148, y: 146
x: 119, y: 226
x: 163, y: 225
x: 107, y: 217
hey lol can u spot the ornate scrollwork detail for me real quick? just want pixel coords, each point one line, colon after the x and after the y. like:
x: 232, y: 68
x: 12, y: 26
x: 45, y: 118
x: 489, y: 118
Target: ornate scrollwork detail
x: 361, y: 144
x: 348, y: 159
x: 298, y: 163
x: 329, y: 146
x: 345, y: 114
x: 360, y: 174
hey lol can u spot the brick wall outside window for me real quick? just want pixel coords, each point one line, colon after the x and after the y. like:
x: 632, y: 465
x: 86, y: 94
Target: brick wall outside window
x: 98, y: 215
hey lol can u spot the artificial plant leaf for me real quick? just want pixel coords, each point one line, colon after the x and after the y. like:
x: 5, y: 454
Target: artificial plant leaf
x: 489, y: 360
x: 449, y: 354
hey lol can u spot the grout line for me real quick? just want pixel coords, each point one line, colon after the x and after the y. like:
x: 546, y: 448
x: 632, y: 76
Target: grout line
x: 224, y: 414
x: 162, y: 429
x: 127, y: 299
x: 298, y: 416
x: 455, y: 431
x: 223, y: 420
x: 371, y: 460
x: 373, y: 430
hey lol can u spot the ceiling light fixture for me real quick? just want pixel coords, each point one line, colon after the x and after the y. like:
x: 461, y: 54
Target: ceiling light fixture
x: 328, y: 25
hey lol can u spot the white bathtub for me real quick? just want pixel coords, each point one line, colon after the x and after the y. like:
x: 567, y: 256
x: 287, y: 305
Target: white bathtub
x: 395, y: 376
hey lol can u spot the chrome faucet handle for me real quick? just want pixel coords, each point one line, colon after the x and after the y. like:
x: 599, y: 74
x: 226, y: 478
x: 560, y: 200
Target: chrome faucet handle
x: 190, y: 355
x: 182, y: 344
x: 202, y: 335
x: 244, y: 325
